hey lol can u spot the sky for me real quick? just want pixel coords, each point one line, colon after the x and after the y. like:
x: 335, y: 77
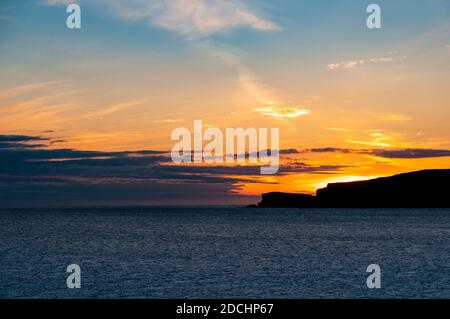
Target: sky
x: 86, y: 114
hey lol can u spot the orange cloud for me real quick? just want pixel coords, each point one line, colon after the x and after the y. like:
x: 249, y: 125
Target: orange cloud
x: 283, y: 112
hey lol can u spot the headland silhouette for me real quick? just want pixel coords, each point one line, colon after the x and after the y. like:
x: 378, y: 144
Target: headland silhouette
x: 421, y: 189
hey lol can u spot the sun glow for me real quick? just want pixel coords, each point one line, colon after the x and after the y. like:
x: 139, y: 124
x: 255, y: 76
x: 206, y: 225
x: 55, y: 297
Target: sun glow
x: 343, y: 179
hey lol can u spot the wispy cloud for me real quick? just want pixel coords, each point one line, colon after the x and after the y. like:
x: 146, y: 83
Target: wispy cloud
x: 283, y: 112
x: 394, y: 117
x: 168, y: 121
x: 59, y: 2
x: 345, y: 64
x: 248, y: 81
x: 262, y: 94
x: 343, y: 129
x: 352, y: 64
x: 197, y: 21
x: 187, y: 17
x: 373, y: 143
x: 23, y: 89
x: 195, y: 17
x: 113, y: 109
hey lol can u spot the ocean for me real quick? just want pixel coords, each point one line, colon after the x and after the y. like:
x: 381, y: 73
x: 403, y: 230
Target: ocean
x: 222, y: 252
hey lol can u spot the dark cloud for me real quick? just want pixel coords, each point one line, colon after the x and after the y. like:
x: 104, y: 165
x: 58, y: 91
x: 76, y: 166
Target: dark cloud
x: 20, y: 138
x: 56, y: 141
x: 20, y: 141
x: 19, y: 145
x: 329, y: 150
x: 289, y: 151
x: 247, y: 170
x: 411, y: 153
x: 390, y: 153
x: 32, y: 174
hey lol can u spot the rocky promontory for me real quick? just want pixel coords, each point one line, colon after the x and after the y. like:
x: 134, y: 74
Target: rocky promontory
x: 422, y: 189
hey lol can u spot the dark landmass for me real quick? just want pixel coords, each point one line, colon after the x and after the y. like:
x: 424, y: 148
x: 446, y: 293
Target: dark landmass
x: 286, y: 200
x: 422, y: 189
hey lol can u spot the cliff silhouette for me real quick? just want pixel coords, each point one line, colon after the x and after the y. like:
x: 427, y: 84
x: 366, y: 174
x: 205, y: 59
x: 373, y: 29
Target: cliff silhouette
x: 422, y: 189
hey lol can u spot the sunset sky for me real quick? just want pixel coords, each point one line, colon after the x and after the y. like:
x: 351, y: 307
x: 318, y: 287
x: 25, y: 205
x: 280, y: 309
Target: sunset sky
x: 86, y: 115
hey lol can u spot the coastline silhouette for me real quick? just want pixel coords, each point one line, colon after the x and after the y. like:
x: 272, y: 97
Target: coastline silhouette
x: 421, y: 189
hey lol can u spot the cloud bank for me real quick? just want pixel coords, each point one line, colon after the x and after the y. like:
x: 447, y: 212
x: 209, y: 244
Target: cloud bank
x: 32, y: 174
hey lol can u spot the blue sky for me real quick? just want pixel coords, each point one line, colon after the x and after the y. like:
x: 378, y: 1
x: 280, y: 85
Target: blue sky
x: 304, y: 26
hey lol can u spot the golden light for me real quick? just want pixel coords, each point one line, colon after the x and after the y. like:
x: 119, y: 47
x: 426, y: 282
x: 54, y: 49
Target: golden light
x: 343, y: 179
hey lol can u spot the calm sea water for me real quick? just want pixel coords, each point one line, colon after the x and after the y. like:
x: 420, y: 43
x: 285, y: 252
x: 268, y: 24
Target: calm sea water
x: 224, y: 253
